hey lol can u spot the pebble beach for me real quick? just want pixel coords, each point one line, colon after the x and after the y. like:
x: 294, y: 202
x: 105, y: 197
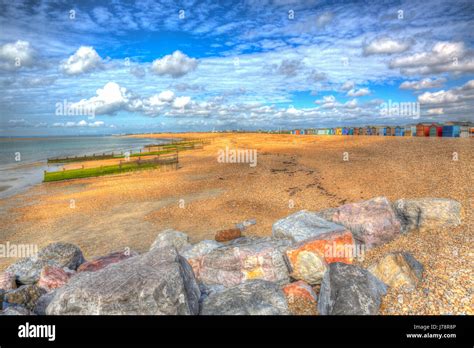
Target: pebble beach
x: 292, y: 173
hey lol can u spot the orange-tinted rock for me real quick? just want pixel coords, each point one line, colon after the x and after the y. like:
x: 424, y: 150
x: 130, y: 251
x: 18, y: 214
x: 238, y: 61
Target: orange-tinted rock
x: 301, y: 298
x: 53, y: 277
x: 227, y: 235
x: 103, y: 261
x: 308, y: 260
x: 7, y: 281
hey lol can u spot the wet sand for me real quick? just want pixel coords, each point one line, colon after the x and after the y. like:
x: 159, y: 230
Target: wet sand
x: 292, y: 173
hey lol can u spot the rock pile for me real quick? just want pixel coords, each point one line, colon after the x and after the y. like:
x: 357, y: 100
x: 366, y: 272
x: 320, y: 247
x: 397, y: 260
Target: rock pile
x: 305, y: 267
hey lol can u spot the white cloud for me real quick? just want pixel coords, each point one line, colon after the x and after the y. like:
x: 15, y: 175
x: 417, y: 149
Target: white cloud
x: 444, y: 56
x: 16, y: 55
x: 423, y: 84
x: 435, y: 111
x: 358, y: 92
x: 324, y: 19
x: 84, y: 60
x: 454, y: 95
x: 348, y: 85
x: 175, y: 65
x: 386, y: 45
x: 108, y: 100
x: 181, y: 102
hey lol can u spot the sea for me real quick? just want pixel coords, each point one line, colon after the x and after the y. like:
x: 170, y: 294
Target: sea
x: 23, y: 160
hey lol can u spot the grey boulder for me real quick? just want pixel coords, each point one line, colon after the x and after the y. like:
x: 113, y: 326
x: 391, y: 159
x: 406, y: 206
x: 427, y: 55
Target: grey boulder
x: 171, y: 237
x: 350, y: 290
x: 159, y: 282
x: 200, y: 249
x: 303, y: 225
x: 427, y: 213
x: 26, y: 296
x: 237, y: 263
x: 372, y: 222
x: 27, y: 270
x: 15, y: 310
x: 255, y: 297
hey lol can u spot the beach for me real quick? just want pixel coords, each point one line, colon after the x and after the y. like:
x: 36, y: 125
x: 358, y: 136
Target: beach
x: 291, y: 173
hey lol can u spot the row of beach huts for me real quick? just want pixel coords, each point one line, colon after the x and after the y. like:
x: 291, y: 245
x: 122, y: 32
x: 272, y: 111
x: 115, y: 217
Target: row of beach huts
x: 450, y: 130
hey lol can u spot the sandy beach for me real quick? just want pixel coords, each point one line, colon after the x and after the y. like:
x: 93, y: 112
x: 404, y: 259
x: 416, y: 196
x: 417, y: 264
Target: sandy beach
x: 292, y: 173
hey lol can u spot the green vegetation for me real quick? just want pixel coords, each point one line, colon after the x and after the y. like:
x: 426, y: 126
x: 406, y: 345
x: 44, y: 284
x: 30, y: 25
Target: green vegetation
x: 108, y: 170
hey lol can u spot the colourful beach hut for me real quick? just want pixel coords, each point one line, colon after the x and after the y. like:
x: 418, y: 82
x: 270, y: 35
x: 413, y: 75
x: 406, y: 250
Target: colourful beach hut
x: 351, y: 130
x: 436, y: 130
x: 390, y: 131
x: 451, y: 131
x: 464, y: 132
x: 399, y: 131
x: 338, y: 131
x: 407, y: 131
x: 422, y: 130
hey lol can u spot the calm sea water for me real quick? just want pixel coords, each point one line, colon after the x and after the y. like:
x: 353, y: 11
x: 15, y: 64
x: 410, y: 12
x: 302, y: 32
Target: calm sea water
x: 23, y: 160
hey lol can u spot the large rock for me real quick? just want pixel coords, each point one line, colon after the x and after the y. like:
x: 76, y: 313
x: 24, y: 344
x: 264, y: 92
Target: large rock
x: 199, y: 249
x: 171, y: 237
x: 25, y: 295
x: 158, y: 282
x: 15, y: 310
x: 350, y: 290
x: 104, y: 261
x: 54, y: 277
x: 303, y: 225
x: 43, y: 303
x: 236, y: 263
x: 372, y: 222
x: 308, y: 260
x: 255, y: 297
x: 7, y: 281
x: 27, y: 270
x: 301, y: 298
x: 428, y: 213
x: 398, y: 270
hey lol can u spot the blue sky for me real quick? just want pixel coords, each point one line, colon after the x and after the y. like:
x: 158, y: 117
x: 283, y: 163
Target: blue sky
x: 143, y: 66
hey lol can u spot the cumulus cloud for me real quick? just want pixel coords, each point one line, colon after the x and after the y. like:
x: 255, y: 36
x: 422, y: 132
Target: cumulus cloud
x: 181, y: 102
x: 423, y: 84
x: 324, y: 19
x: 175, y: 65
x: 16, y: 55
x: 348, y: 85
x: 386, y: 45
x: 289, y: 67
x: 444, y: 56
x: 458, y: 94
x: 84, y: 60
x: 328, y: 101
x: 109, y: 99
x: 435, y: 111
x: 358, y: 92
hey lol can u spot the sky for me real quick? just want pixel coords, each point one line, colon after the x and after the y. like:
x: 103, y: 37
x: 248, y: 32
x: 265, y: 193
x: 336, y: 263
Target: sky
x: 89, y: 67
